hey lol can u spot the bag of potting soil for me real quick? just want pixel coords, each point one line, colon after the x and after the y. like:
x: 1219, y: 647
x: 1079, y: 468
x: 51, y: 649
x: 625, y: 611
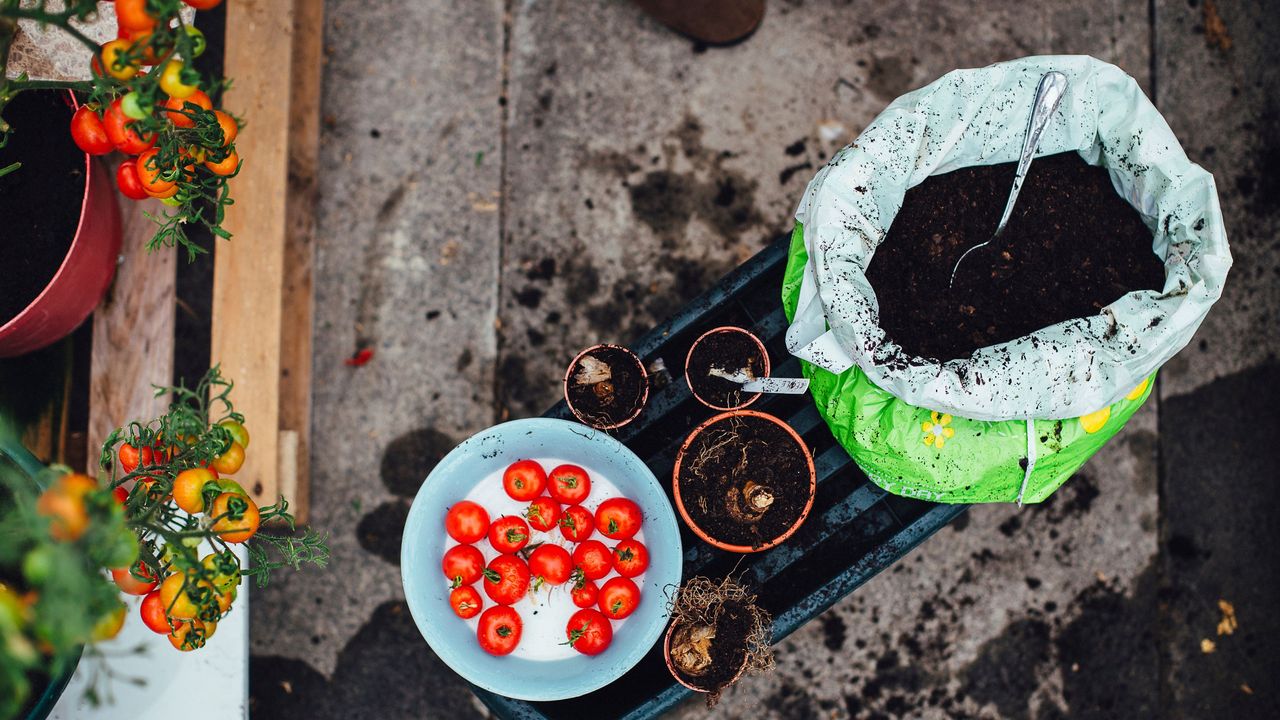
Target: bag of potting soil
x: 1015, y: 420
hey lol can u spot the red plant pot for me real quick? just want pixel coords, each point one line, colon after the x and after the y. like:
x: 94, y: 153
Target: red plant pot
x: 84, y: 275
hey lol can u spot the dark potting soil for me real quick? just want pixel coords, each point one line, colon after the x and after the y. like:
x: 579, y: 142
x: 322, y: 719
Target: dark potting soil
x: 609, y: 408
x: 730, y: 351
x: 1071, y: 247
x: 728, y: 649
x: 39, y: 202
x: 722, y: 458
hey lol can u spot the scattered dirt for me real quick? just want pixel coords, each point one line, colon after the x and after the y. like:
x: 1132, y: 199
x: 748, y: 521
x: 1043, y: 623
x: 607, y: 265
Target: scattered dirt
x: 1072, y: 247
x: 744, y: 481
x: 40, y: 202
x: 610, y: 401
x: 728, y: 350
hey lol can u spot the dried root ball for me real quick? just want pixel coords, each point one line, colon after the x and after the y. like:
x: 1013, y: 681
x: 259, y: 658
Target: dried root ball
x: 691, y: 648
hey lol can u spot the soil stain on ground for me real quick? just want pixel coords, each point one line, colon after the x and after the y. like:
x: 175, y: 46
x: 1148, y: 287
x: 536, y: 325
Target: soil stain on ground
x: 406, y: 462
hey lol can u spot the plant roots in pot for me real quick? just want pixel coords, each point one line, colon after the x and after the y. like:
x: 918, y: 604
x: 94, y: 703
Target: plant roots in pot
x: 606, y: 386
x: 725, y: 351
x: 1071, y: 247
x: 717, y: 633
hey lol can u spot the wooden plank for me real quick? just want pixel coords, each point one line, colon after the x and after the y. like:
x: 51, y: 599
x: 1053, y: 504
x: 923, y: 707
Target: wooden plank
x: 248, y: 270
x: 299, y: 251
x: 132, y: 331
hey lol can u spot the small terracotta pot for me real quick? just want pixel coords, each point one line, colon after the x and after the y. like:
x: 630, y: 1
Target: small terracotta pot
x: 644, y: 393
x: 666, y: 655
x: 85, y: 273
x: 675, y: 482
x: 725, y: 328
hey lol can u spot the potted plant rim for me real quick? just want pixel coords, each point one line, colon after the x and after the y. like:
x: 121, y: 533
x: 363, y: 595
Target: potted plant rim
x: 719, y: 355
x: 717, y: 633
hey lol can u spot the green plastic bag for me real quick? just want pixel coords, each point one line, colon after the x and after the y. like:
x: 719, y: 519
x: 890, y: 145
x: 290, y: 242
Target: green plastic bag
x: 1012, y: 422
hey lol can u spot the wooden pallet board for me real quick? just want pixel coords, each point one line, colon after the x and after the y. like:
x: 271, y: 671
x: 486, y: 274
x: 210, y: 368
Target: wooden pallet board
x: 262, y: 278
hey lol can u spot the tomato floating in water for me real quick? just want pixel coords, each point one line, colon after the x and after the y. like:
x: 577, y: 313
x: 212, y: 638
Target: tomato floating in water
x: 619, y: 597
x: 577, y: 523
x: 618, y: 518
x: 506, y: 580
x: 569, y: 484
x: 467, y: 522
x: 524, y: 480
x: 499, y: 630
x: 589, y: 632
x: 630, y: 558
x: 543, y: 514
x: 508, y: 534
x: 551, y: 564
x: 593, y: 558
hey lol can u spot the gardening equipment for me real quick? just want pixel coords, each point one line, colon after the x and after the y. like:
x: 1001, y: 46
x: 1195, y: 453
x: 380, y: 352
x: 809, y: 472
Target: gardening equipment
x: 729, y: 374
x: 854, y: 530
x: 476, y: 466
x: 1048, y: 94
x: 786, y: 386
x: 1015, y: 420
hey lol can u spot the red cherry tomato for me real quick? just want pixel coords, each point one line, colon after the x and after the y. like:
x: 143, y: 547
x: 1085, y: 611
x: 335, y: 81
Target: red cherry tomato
x: 589, y: 631
x: 226, y: 166
x: 463, y: 565
x: 569, y: 484
x: 577, y: 523
x: 89, y: 132
x: 136, y: 580
x: 550, y: 563
x: 508, y: 534
x: 619, y: 597
x: 131, y: 457
x: 465, y: 601
x: 128, y: 182
x: 177, y: 111
x: 618, y: 518
x: 631, y: 558
x: 584, y: 593
x: 132, y: 16
x: 153, y: 614
x: 524, y: 480
x: 506, y: 580
x: 203, y: 4
x: 120, y: 494
x: 125, y: 138
x: 543, y: 513
x: 499, y: 630
x: 466, y: 522
x: 593, y: 558
x: 149, y: 174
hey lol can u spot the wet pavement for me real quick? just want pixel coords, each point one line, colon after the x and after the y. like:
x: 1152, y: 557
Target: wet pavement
x: 509, y: 182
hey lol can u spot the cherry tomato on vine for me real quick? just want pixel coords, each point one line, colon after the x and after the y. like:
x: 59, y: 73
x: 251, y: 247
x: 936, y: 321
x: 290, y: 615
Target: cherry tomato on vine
x: 226, y: 166
x: 131, y: 457
x: 499, y: 630
x: 569, y: 484
x: 171, y: 81
x: 584, y: 593
x: 524, y: 480
x: 153, y: 614
x: 237, y: 431
x: 463, y: 565
x: 132, y: 16
x: 184, y: 595
x: 465, y: 601
x: 508, y: 534
x: 237, y: 515
x: 593, y: 558
x: 188, y: 488
x: 198, y: 41
x: 618, y: 518
x: 140, y: 40
x: 233, y: 457
x: 577, y: 523
x: 125, y: 138
x: 226, y: 570
x: 191, y: 635
x: 467, y: 522
x: 506, y: 580
x: 175, y: 109
x: 120, y: 494
x: 230, y: 128
x: 63, y: 504
x: 631, y: 558
x: 133, y: 106
x: 619, y: 597
x: 128, y: 182
x: 543, y: 513
x: 150, y: 177
x: 109, y: 625
x: 89, y: 133
x: 203, y: 4
x: 589, y: 632
x: 114, y: 62
x: 136, y: 579
x: 551, y: 563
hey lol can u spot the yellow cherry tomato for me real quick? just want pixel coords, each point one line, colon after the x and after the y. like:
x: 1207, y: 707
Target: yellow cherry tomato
x: 191, y: 635
x: 188, y: 488
x: 171, y: 81
x: 110, y: 624
x: 230, y: 460
x: 184, y: 595
x: 113, y: 61
x: 237, y: 431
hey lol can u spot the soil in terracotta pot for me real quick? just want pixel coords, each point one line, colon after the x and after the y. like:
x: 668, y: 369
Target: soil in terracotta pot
x: 728, y: 351
x: 40, y: 202
x: 744, y: 481
x: 728, y: 649
x: 612, y: 400
x: 1072, y: 247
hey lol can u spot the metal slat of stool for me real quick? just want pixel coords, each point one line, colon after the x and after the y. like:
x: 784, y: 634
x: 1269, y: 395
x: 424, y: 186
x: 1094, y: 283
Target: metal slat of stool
x: 854, y: 531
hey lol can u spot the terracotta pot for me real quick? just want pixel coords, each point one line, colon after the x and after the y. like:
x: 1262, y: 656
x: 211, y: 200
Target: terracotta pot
x: 675, y: 482
x: 83, y: 277
x: 644, y: 393
x: 666, y: 656
x: 725, y: 328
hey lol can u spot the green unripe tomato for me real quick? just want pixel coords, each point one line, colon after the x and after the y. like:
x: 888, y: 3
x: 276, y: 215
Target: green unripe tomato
x: 37, y: 564
x: 198, y: 43
x: 171, y: 201
x: 124, y: 552
x: 133, y: 106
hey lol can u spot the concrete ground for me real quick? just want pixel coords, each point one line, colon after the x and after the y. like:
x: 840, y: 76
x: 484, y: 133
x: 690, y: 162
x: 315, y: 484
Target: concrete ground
x: 510, y: 182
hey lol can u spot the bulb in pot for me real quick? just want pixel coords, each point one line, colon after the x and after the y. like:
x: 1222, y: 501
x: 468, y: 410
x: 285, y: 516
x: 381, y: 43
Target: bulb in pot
x: 691, y: 648
x: 596, y: 374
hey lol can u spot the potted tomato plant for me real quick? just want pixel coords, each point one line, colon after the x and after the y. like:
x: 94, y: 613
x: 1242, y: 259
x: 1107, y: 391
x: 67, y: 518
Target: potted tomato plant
x: 718, y: 355
x: 142, y: 97
x: 606, y: 386
x: 717, y: 633
x: 744, y: 481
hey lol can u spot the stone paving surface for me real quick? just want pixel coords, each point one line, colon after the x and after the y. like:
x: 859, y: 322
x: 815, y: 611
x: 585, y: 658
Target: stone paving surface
x: 510, y: 183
